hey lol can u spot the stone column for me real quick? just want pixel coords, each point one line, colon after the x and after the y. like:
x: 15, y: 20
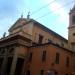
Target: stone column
x: 24, y: 64
x: 13, y: 66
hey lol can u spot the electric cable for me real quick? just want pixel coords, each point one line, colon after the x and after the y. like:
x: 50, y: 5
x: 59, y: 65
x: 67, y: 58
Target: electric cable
x: 48, y: 13
x: 34, y: 12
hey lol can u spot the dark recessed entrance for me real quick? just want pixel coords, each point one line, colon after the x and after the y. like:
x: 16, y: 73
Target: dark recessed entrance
x: 9, y: 62
x: 1, y: 61
x: 19, y: 66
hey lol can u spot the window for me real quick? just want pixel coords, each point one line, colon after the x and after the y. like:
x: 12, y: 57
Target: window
x: 49, y: 41
x: 30, y: 57
x: 73, y: 19
x: 40, y: 39
x: 44, y: 56
x: 66, y: 73
x: 67, y: 61
x: 28, y: 72
x: 73, y: 34
x: 42, y: 72
x: 57, y: 58
x: 62, y: 44
x: 56, y: 73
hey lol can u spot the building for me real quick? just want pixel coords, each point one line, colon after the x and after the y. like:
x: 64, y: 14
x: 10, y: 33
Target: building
x: 33, y: 49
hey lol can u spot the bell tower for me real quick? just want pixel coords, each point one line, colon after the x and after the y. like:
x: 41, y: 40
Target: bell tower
x: 71, y: 29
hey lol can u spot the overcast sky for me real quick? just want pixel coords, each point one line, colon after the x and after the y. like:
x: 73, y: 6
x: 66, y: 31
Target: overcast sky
x: 51, y: 13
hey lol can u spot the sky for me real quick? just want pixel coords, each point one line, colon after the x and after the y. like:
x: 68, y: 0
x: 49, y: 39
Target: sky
x: 53, y: 14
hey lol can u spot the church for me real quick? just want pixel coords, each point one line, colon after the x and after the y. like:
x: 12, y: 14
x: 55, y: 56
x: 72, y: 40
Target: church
x: 33, y: 49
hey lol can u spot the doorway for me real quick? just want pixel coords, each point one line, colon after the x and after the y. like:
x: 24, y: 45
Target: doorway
x: 8, y: 67
x: 19, y: 66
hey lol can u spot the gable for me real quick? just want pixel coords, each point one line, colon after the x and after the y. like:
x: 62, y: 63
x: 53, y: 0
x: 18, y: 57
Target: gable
x: 17, y: 24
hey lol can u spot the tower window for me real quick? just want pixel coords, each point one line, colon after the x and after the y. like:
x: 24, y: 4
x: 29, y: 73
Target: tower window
x: 73, y: 19
x: 57, y: 58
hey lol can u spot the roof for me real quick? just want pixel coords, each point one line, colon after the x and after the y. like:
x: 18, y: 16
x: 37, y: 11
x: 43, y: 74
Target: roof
x: 49, y: 30
x: 18, y: 23
x: 38, y: 24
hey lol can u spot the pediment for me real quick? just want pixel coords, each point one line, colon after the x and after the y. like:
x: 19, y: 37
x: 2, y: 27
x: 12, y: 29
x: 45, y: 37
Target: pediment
x: 18, y: 23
